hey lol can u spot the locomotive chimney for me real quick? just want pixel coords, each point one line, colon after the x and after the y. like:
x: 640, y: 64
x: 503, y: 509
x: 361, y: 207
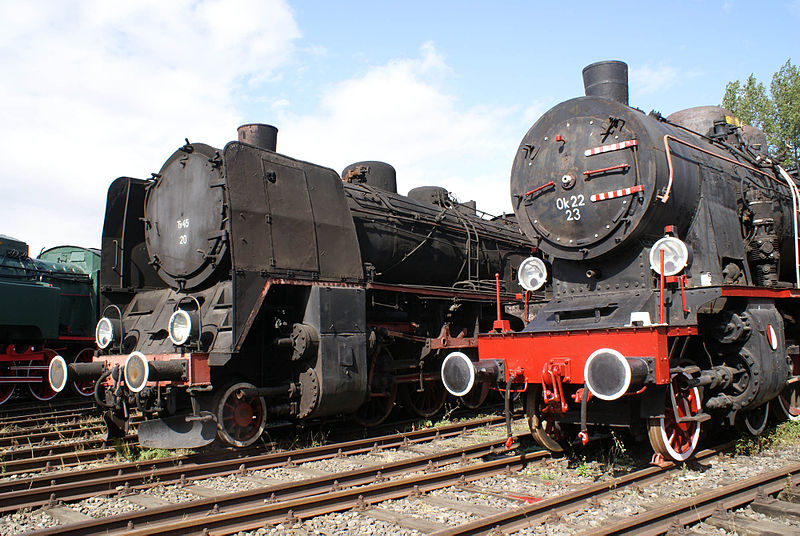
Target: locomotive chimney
x: 258, y: 134
x: 607, y: 80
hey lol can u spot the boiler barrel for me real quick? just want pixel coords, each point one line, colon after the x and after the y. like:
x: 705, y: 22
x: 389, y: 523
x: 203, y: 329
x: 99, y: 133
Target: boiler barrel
x: 409, y: 241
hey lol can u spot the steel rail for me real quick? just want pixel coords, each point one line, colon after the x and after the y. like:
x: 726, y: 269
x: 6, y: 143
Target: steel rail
x: 71, y: 486
x: 47, y: 457
x: 30, y: 410
x: 531, y: 515
x: 251, y: 509
x: 39, y: 425
x: 55, y: 431
x: 696, y: 509
x: 23, y: 438
x: 26, y: 404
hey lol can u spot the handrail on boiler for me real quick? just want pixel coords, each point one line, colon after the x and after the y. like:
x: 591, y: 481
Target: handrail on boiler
x: 796, y: 207
x: 790, y: 183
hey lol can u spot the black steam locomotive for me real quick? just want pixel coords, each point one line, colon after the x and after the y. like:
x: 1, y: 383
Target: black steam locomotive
x: 674, y: 265
x: 242, y: 287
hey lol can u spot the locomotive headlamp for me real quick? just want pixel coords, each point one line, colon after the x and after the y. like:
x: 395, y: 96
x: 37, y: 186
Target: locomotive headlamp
x: 136, y: 371
x: 532, y: 273
x: 676, y: 256
x: 182, y: 329
x: 106, y: 332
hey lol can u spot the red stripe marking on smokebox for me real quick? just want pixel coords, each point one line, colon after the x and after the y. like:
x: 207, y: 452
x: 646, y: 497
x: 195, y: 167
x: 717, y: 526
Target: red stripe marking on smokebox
x: 616, y: 193
x: 610, y: 147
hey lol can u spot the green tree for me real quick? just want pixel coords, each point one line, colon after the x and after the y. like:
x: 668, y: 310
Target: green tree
x: 748, y: 102
x: 777, y: 114
x: 785, y: 129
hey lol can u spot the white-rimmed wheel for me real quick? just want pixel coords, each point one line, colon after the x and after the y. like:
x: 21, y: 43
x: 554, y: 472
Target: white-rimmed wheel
x: 673, y: 439
x: 546, y: 431
x: 752, y: 422
x: 6, y: 389
x: 786, y: 407
x: 241, y: 418
x: 84, y: 387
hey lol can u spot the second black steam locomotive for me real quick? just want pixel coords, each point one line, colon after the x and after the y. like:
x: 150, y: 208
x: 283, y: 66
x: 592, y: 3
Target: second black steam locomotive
x: 242, y: 287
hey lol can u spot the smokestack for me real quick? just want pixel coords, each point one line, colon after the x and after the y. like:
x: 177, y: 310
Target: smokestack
x: 258, y: 134
x: 607, y: 80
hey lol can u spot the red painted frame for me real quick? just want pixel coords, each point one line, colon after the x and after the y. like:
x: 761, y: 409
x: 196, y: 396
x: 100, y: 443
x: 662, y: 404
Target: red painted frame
x: 527, y: 354
x: 199, y: 371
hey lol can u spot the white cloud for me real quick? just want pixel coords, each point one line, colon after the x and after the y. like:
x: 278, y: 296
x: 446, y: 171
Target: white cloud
x: 646, y: 80
x: 399, y: 113
x: 94, y: 90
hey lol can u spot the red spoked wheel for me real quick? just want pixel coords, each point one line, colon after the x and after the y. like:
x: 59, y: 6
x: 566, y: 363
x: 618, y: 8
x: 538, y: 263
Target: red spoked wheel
x: 672, y: 439
x: 41, y: 390
x: 753, y: 422
x: 786, y: 406
x: 382, y: 391
x: 84, y: 387
x: 475, y: 398
x: 426, y: 402
x: 6, y: 389
x: 241, y: 418
x: 544, y: 428
x: 375, y: 410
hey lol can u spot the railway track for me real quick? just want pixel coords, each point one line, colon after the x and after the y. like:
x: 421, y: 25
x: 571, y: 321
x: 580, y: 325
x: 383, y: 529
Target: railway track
x: 79, y: 444
x: 133, y: 478
x: 341, y: 490
x: 45, y: 418
x: 40, y: 490
x: 363, y: 489
x: 436, y: 466
x: 50, y: 432
x: 27, y: 409
x: 715, y: 507
x: 43, y: 458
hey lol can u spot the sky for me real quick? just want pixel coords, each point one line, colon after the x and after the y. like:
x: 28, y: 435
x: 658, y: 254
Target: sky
x: 444, y: 91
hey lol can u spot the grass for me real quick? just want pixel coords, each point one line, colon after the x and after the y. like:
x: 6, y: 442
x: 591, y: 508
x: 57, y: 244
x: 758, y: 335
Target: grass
x: 128, y: 452
x: 787, y: 433
x: 583, y: 470
x: 546, y: 474
x: 154, y: 454
x: 123, y: 449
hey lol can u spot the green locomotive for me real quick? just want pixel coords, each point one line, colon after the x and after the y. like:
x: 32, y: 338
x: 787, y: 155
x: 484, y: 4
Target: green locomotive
x: 48, y: 307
